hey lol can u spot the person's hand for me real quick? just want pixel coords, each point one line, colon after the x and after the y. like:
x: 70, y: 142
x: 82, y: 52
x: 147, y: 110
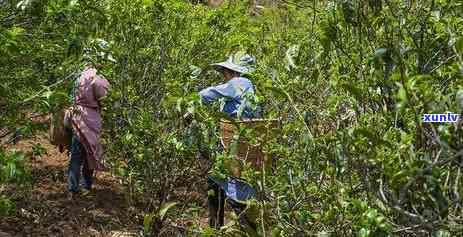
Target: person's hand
x: 68, y: 118
x: 188, y: 118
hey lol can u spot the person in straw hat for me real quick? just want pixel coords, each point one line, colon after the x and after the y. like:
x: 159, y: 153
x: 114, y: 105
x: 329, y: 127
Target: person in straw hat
x: 237, y: 89
x: 237, y: 92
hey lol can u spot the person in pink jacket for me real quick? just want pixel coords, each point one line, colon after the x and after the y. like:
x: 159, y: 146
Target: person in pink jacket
x: 85, y: 120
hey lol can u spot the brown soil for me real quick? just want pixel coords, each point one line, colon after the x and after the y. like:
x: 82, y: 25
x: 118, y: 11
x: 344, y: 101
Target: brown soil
x: 44, y: 210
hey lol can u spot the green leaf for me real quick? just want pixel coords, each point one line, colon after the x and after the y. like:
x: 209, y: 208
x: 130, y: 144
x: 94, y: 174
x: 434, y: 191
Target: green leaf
x: 459, y: 98
x: 12, y: 170
x: 363, y: 233
x: 23, y: 4
x: 441, y: 233
x: 147, y: 222
x: 179, y: 104
x: 15, y: 31
x: 371, y: 214
x: 402, y: 98
x: 291, y: 54
x: 459, y: 45
x: 165, y: 208
x: 324, y: 234
x: 128, y: 137
x: 195, y: 72
x: 380, y: 53
x: 209, y: 232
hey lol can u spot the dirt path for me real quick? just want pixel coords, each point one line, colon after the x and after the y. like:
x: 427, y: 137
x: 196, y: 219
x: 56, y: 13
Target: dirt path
x: 46, y: 211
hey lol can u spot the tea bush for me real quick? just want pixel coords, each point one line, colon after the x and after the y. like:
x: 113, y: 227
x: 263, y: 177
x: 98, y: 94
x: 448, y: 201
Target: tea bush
x: 13, y: 171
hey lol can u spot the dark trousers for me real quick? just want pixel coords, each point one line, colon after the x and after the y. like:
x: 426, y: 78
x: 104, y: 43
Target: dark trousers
x: 77, y: 163
x: 216, y: 204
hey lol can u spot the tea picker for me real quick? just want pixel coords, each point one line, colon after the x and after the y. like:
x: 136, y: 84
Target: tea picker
x: 82, y: 122
x: 237, y: 92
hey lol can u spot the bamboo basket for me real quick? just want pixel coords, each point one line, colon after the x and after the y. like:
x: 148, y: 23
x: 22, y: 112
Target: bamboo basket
x: 58, y: 134
x: 246, y: 152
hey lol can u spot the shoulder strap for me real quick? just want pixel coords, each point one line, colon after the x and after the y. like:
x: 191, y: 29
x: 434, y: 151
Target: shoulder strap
x: 75, y: 87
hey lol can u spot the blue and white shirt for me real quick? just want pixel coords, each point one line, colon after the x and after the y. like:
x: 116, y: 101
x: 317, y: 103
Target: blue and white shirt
x: 236, y: 93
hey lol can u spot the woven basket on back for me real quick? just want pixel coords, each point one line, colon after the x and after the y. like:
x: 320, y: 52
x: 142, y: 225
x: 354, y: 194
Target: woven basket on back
x: 58, y: 134
x: 262, y: 128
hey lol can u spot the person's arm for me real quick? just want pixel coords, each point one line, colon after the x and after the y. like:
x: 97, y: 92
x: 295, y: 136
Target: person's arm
x: 213, y: 93
x: 100, y: 89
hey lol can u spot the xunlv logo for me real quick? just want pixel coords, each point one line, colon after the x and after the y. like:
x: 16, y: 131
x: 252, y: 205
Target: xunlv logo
x: 449, y: 117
